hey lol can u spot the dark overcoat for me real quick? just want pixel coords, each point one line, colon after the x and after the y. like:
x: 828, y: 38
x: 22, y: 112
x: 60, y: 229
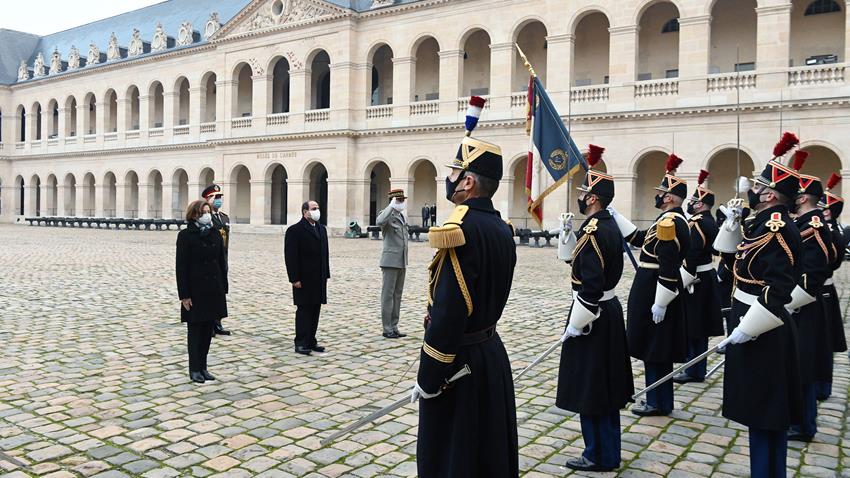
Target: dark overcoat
x: 201, y: 274
x: 305, y: 251
x: 703, y: 306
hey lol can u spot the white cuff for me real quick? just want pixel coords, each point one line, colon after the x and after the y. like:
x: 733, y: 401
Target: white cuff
x: 799, y: 298
x: 626, y: 227
x: 566, y: 245
x: 581, y: 316
x: 758, y: 320
x: 663, y: 295
x: 728, y: 237
x: 687, y: 278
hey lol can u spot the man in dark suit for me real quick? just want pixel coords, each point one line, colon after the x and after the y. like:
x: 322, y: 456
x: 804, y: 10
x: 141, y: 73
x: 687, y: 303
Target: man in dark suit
x: 308, y: 267
x: 432, y: 214
x: 426, y: 215
x: 221, y: 223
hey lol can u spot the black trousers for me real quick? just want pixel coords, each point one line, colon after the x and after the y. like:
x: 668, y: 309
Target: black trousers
x: 306, y: 324
x: 199, y: 335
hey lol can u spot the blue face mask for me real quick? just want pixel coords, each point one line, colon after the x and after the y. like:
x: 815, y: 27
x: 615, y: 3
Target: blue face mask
x: 217, y: 203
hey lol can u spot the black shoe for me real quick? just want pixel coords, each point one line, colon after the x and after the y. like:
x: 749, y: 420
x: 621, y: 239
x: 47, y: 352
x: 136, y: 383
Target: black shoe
x: 302, y: 350
x: 649, y: 411
x: 400, y: 334
x: 392, y: 335
x: 685, y: 378
x: 822, y: 398
x: 207, y: 375
x: 317, y: 348
x: 583, y: 464
x: 197, y: 377
x: 797, y: 436
x: 219, y: 330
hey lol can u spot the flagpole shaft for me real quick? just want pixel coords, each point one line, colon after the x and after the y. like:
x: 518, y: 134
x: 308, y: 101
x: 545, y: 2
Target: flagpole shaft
x: 738, y: 118
x: 570, y: 139
x: 525, y: 60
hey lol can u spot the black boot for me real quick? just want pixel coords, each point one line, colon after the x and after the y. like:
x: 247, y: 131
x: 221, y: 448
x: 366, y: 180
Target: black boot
x: 197, y: 377
x: 207, y: 375
x: 219, y: 330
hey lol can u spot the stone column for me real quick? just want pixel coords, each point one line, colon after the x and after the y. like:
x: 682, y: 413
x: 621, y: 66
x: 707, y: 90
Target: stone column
x: 451, y: 72
x: 342, y: 75
x: 260, y: 102
x: 100, y: 191
x: 100, y: 120
x: 338, y: 205
x: 694, y: 51
x: 123, y: 120
x: 167, y: 199
x: 624, y: 200
x: 773, y: 46
x: 299, y: 99
x: 297, y: 194
x: 503, y: 198
x: 45, y: 123
x: 144, y: 113
x: 196, y: 109
x: 623, y: 65
x: 261, y: 191
x: 228, y: 200
x: 404, y: 74
x: 61, y: 126
x: 120, y: 199
x: 169, y: 110
x: 195, y: 189
x: 30, y: 198
x: 79, y: 200
x: 144, y: 200
x: 63, y: 207
x: 559, y: 61
x: 43, y: 193
x: 222, y: 111
x: 501, y: 72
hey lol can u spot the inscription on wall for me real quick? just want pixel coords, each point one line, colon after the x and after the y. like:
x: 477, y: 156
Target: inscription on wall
x: 277, y: 155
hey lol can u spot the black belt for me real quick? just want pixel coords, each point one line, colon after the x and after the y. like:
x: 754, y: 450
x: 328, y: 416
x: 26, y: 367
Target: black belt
x: 478, y: 337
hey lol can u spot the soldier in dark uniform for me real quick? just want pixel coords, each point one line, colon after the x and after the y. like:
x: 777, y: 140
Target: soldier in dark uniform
x: 761, y: 386
x: 699, y: 280
x: 595, y: 378
x: 832, y: 205
x: 807, y: 305
x: 221, y: 223
x: 468, y: 429
x: 656, y: 321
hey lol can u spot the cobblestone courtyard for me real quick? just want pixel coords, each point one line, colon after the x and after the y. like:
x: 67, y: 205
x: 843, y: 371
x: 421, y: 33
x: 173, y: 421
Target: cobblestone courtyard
x: 94, y: 382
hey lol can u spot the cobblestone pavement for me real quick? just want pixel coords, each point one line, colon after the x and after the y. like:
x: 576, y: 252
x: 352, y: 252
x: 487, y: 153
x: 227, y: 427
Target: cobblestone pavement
x: 93, y: 374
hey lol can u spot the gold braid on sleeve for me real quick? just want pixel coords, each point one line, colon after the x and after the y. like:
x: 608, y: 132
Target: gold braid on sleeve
x: 461, y: 282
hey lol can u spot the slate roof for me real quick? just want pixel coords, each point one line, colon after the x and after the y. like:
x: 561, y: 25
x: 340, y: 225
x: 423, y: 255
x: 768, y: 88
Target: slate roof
x: 171, y: 13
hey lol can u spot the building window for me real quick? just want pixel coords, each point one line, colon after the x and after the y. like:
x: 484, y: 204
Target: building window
x: 671, y: 26
x: 822, y: 6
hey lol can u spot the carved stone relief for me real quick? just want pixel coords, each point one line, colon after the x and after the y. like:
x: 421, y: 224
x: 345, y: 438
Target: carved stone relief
x: 23, y: 71
x: 113, y: 51
x: 74, y: 58
x: 160, y: 40
x: 55, y: 62
x: 212, y: 26
x: 38, y: 67
x: 280, y: 12
x: 185, y: 36
x: 137, y: 47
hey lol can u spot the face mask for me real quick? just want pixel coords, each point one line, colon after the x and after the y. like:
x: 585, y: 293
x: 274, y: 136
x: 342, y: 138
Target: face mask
x: 205, y: 219
x: 315, y: 215
x: 582, y: 205
x: 691, y: 209
x: 451, y: 187
x: 659, y: 202
x: 753, y: 198
x: 217, y: 203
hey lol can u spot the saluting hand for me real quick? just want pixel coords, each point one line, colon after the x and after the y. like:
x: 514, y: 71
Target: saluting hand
x: 187, y: 304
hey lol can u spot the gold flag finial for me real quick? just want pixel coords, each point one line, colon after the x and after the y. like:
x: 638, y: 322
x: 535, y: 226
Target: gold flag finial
x: 525, y: 61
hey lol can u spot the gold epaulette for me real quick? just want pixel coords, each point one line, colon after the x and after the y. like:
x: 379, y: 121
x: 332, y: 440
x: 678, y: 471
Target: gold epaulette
x: 696, y: 217
x: 816, y: 222
x: 449, y: 235
x: 591, y: 226
x: 666, y: 229
x: 510, y: 225
x: 775, y: 223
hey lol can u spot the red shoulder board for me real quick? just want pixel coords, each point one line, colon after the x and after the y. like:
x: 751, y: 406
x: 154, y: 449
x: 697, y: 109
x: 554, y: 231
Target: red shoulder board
x: 816, y: 222
x: 775, y: 223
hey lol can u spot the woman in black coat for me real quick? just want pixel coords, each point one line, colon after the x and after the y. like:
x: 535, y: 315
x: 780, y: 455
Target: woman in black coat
x: 201, y: 285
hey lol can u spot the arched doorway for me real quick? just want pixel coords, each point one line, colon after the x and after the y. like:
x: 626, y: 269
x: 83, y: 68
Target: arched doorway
x: 649, y: 172
x: 821, y: 163
x: 180, y: 192
x: 817, y: 32
x: 280, y: 86
x: 88, y: 195
x: 279, y: 194
x: 155, y: 195
x: 723, y: 167
x: 52, y: 196
x: 379, y: 188
x: 476, y: 64
x: 36, y: 121
x: 19, y: 195
x: 591, y: 50
x: 381, y: 76
x: 156, y: 105
x: 208, y: 98
x: 518, y: 207
x: 111, y: 110
x: 35, y: 184
x: 71, y: 116
x: 318, y: 192
x: 134, y: 106
x: 531, y: 38
x: 241, y: 205
x: 110, y: 195
x: 320, y: 81
x: 427, y: 80
x: 70, y: 197
x: 131, y: 194
x: 206, y: 178
x: 244, y: 88
x: 181, y: 106
x: 424, y: 175
x: 733, y: 36
x: 658, y: 42
x: 90, y: 118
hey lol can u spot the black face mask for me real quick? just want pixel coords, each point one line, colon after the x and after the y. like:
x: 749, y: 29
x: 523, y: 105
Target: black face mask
x: 753, y: 198
x: 659, y: 202
x: 582, y: 205
x: 691, y: 209
x: 451, y: 187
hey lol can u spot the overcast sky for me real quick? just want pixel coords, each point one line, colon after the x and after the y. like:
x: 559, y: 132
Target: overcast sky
x: 50, y: 16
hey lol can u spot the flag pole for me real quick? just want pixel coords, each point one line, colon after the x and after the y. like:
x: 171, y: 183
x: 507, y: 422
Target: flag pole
x: 525, y: 60
x: 738, y: 118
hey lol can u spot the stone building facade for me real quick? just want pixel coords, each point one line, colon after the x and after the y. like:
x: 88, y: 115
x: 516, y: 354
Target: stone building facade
x: 284, y: 100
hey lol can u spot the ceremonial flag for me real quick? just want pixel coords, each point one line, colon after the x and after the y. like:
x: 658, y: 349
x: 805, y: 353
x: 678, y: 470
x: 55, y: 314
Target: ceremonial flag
x: 550, y: 147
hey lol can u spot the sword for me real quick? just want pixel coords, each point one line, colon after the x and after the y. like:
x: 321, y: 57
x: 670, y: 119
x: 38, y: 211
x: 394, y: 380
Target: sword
x: 538, y: 359
x: 715, y: 368
x: 670, y: 375
x: 388, y: 409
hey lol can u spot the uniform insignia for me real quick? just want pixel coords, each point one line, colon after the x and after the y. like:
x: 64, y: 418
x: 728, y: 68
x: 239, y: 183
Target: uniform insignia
x: 696, y: 217
x: 775, y: 223
x: 815, y: 222
x: 450, y: 234
x: 591, y: 226
x: 666, y: 229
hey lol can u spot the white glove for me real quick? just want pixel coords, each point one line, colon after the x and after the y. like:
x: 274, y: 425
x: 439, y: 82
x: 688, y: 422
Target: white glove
x: 612, y: 211
x: 658, y: 312
x: 736, y: 337
x: 418, y: 393
x: 570, y: 332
